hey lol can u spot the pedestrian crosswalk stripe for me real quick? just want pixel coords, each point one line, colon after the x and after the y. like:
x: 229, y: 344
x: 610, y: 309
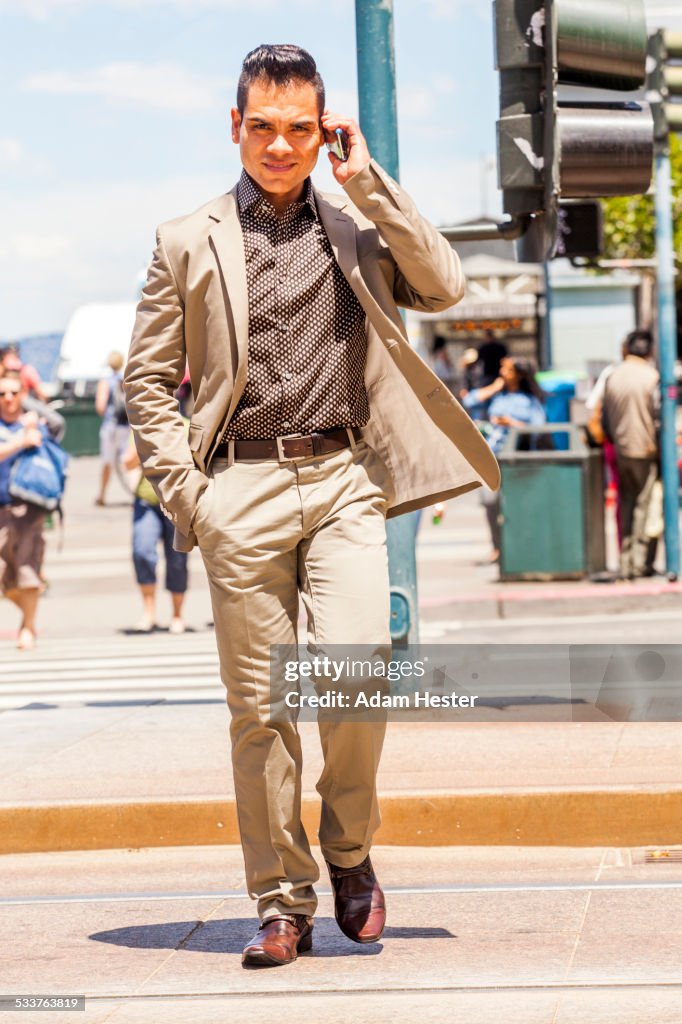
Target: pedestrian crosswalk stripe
x: 138, y: 668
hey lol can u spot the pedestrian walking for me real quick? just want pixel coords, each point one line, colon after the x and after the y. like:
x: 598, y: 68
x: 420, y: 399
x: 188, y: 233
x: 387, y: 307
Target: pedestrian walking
x: 22, y: 545
x: 470, y: 371
x: 630, y: 417
x: 594, y: 406
x: 313, y: 420
x: 151, y: 529
x: 490, y: 356
x: 30, y: 378
x: 441, y: 363
x: 114, y: 431
x: 514, y: 399
x: 35, y: 398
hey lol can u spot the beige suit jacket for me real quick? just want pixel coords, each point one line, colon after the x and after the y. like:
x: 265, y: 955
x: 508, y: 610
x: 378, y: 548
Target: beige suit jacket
x: 195, y: 307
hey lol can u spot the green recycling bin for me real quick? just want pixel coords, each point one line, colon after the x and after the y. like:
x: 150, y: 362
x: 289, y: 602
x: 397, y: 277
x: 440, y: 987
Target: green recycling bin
x: 82, y: 426
x: 551, y: 506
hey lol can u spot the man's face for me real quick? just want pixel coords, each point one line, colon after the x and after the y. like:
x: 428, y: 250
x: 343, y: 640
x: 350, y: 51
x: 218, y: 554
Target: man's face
x: 279, y: 137
x: 11, y: 395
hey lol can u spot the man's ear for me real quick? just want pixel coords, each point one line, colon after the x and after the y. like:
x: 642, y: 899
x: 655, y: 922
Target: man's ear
x: 236, y: 118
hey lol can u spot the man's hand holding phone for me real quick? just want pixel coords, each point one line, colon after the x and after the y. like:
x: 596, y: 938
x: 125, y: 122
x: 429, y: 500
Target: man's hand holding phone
x: 352, y: 139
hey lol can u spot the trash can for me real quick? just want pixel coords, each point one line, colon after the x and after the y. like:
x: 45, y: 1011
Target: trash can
x: 82, y: 427
x: 558, y: 393
x: 551, y: 506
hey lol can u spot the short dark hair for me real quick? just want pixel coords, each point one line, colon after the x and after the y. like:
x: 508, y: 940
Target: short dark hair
x: 639, y: 343
x: 281, y: 63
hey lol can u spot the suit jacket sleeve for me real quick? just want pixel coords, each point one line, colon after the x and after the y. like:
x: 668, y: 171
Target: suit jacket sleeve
x: 156, y: 366
x: 428, y: 271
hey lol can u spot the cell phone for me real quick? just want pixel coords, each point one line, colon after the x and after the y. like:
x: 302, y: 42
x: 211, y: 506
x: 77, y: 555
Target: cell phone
x: 340, y: 145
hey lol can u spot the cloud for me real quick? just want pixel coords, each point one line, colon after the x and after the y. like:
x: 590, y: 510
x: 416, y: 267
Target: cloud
x: 11, y: 152
x: 34, y: 248
x: 163, y: 86
x: 454, y: 191
x: 42, y: 9
x: 86, y: 243
x: 451, y: 9
x: 15, y: 159
x: 416, y: 102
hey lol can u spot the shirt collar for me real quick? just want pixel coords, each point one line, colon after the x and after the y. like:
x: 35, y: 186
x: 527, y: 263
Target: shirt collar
x: 249, y: 196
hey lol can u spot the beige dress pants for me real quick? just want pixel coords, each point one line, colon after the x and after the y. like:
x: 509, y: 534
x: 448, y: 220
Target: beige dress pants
x: 266, y: 531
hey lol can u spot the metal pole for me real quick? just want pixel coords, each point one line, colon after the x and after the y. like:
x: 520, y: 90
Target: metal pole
x: 379, y: 124
x: 667, y: 351
x: 376, y: 81
x: 547, y: 354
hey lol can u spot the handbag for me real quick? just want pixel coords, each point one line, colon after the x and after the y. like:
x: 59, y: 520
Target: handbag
x: 655, y: 523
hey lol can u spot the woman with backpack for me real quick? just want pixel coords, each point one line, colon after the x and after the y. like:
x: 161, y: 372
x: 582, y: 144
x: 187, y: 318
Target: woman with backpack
x: 114, y: 431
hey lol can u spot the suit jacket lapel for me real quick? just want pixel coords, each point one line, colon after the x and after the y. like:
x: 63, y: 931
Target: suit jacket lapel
x: 228, y: 242
x: 340, y: 229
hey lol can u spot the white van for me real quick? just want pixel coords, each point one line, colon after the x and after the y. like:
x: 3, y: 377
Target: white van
x: 93, y: 332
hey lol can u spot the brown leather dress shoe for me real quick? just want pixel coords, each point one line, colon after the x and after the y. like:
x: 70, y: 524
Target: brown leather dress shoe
x: 278, y: 941
x: 358, y: 901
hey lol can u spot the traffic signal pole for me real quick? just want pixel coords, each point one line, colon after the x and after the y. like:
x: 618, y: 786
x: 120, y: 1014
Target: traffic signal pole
x: 667, y: 351
x: 376, y: 81
x: 664, y: 84
x: 379, y: 125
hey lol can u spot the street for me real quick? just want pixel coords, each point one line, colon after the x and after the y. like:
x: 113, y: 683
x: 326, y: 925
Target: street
x: 525, y: 936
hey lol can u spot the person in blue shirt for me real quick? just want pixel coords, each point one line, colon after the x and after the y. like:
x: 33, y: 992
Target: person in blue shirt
x: 21, y: 524
x: 515, y: 400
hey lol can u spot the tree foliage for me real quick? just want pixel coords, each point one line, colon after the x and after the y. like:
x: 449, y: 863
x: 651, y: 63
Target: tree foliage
x: 629, y: 222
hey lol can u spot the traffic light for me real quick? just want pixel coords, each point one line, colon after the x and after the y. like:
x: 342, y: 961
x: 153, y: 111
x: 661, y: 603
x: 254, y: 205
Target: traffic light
x: 580, y: 229
x: 548, y: 148
x: 664, y: 82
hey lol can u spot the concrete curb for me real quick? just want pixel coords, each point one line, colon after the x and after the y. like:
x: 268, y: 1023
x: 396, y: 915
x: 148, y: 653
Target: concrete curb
x: 576, y: 599
x: 614, y: 817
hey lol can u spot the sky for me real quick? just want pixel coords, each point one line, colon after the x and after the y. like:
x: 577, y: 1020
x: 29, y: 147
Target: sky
x: 116, y: 118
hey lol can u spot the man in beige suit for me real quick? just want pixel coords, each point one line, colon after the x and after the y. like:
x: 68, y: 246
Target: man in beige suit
x: 313, y: 420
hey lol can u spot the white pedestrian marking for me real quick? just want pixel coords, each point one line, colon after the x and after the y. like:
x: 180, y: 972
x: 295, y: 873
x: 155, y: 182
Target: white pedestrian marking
x: 154, y: 667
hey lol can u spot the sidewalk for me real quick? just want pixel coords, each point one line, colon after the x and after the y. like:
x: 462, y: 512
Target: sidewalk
x: 128, y: 774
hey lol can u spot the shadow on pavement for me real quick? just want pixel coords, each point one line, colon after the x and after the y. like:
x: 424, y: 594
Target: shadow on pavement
x: 230, y: 936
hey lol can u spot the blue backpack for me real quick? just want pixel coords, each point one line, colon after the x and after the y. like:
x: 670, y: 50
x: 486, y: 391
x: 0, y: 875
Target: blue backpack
x: 38, y: 475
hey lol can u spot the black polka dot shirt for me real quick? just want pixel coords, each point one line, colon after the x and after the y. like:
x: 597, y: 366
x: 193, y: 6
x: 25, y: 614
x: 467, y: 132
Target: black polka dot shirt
x: 307, y: 342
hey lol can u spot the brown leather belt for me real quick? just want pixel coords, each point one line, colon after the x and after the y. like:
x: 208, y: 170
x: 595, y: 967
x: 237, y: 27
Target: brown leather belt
x: 290, y: 448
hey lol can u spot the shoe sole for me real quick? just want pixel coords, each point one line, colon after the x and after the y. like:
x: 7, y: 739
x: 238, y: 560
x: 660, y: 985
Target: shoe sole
x: 356, y: 938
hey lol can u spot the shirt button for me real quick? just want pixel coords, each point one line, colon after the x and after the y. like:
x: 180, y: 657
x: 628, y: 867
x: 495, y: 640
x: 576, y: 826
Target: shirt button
x: 286, y: 425
x: 286, y: 375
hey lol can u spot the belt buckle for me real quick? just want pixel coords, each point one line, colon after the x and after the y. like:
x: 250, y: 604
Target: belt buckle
x: 281, y: 456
